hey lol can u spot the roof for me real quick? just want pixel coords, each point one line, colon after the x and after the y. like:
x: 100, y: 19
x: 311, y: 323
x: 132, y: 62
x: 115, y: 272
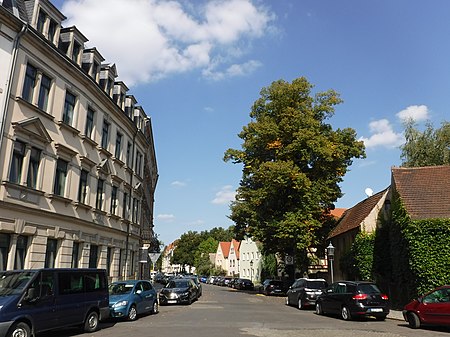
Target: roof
x: 236, y: 245
x: 353, y: 217
x: 424, y: 191
x: 225, y: 247
x: 338, y: 212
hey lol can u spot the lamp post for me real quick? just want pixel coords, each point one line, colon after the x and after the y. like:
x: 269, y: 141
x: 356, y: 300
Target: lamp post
x: 330, y: 254
x: 251, y: 270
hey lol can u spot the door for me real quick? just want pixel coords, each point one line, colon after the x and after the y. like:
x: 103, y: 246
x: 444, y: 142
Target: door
x: 40, y: 303
x: 435, y: 307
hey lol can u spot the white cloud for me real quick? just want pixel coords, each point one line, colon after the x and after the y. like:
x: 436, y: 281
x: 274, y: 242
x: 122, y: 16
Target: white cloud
x: 166, y: 217
x: 178, y: 183
x: 415, y: 112
x: 382, y: 135
x: 232, y: 71
x: 161, y: 37
x: 224, y: 196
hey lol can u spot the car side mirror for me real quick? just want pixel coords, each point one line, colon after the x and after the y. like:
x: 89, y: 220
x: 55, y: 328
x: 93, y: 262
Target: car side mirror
x: 139, y: 291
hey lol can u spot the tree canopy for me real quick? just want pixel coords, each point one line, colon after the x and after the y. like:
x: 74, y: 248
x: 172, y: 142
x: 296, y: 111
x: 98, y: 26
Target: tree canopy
x: 428, y: 148
x: 193, y: 248
x: 293, y: 162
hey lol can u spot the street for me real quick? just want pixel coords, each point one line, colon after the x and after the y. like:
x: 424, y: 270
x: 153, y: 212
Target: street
x: 224, y: 312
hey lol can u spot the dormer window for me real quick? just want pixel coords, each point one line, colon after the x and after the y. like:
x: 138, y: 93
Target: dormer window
x: 76, y: 51
x: 41, y: 21
x: 52, y: 28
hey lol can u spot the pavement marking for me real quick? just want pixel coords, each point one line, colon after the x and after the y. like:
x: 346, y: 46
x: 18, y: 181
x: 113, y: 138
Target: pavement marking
x: 264, y: 332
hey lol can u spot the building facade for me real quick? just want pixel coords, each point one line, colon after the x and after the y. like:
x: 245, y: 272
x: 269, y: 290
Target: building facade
x: 78, y: 166
x: 250, y: 260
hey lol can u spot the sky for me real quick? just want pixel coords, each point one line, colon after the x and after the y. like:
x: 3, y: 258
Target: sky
x: 197, y: 66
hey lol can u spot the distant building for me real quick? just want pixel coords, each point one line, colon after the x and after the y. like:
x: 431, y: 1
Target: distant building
x: 233, y: 259
x: 250, y: 260
x: 77, y: 161
x: 223, y: 249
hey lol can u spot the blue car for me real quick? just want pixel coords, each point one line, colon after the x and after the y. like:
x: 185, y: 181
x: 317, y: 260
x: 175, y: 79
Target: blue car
x: 128, y: 299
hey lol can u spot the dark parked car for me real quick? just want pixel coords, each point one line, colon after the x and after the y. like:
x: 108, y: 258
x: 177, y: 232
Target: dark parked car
x: 304, y: 292
x: 273, y: 287
x: 433, y: 308
x: 177, y: 291
x: 197, y: 283
x: 351, y: 299
x: 243, y: 284
x: 127, y: 299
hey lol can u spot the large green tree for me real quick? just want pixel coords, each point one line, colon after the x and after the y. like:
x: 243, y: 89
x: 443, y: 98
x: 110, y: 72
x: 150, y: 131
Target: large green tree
x: 293, y: 162
x: 426, y: 148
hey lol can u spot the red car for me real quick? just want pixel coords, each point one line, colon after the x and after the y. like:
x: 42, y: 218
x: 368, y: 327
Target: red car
x: 432, y: 308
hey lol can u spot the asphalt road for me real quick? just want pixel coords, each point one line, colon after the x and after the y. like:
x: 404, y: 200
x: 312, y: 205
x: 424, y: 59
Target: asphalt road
x: 223, y: 312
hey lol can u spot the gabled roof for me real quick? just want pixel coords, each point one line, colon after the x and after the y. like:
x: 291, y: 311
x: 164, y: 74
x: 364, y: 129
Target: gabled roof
x: 225, y: 247
x: 353, y: 217
x: 338, y: 212
x: 236, y: 245
x: 424, y: 191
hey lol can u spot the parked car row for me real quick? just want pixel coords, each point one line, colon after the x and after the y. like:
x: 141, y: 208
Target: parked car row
x: 235, y: 283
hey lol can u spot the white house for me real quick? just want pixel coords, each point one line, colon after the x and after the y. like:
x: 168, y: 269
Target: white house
x: 250, y: 260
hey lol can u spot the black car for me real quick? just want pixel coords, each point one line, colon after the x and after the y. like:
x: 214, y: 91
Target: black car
x: 273, y: 287
x: 304, y: 292
x: 177, y: 291
x: 352, y: 299
x: 243, y: 284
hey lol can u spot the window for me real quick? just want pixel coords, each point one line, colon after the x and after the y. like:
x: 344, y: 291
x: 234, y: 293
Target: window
x: 138, y: 167
x: 44, y: 92
x: 33, y: 168
x: 75, y: 254
x: 17, y: 162
x: 29, y: 83
x: 4, y: 249
x: 114, y: 200
x: 41, y: 21
x: 94, y: 71
x: 128, y: 154
x: 82, y: 188
x: 21, y: 252
x: 118, y: 145
x: 50, y: 253
x: 89, y: 123
x: 105, y: 134
x: 69, y: 107
x: 76, y: 51
x: 52, y: 30
x: 60, y: 177
x: 93, y: 256
x: 99, y: 199
x: 125, y: 206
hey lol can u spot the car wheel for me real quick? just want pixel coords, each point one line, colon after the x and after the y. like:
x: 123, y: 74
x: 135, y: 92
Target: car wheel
x: 20, y: 329
x: 300, y: 303
x: 345, y: 314
x: 132, y: 313
x: 319, y: 310
x: 91, y: 322
x: 413, y: 320
x: 155, y: 308
x: 380, y: 318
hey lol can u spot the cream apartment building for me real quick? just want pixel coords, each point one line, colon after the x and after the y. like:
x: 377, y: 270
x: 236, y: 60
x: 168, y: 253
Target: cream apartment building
x: 77, y: 160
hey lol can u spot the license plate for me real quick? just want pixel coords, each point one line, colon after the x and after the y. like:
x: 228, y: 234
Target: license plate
x: 375, y: 310
x: 171, y: 301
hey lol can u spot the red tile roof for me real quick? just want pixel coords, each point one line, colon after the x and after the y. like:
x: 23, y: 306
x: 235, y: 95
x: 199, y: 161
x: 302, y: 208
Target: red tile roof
x: 424, y: 191
x: 353, y: 217
x: 236, y: 245
x: 225, y: 246
x: 337, y: 212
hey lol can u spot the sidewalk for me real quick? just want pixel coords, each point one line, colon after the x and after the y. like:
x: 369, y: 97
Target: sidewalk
x: 396, y: 314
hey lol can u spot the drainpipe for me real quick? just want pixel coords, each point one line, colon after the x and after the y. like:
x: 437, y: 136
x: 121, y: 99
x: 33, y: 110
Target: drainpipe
x: 8, y: 88
x: 129, y: 203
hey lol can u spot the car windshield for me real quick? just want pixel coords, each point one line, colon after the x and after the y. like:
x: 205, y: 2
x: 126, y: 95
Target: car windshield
x: 178, y: 284
x: 316, y: 284
x: 13, y: 282
x: 368, y: 289
x: 120, y: 288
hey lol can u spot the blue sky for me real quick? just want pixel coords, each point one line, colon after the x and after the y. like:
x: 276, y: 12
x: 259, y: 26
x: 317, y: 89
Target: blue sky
x: 196, y: 67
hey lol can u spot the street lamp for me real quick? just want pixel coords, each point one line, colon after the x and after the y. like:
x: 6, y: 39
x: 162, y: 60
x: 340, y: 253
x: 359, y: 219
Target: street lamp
x: 251, y: 270
x: 330, y: 253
